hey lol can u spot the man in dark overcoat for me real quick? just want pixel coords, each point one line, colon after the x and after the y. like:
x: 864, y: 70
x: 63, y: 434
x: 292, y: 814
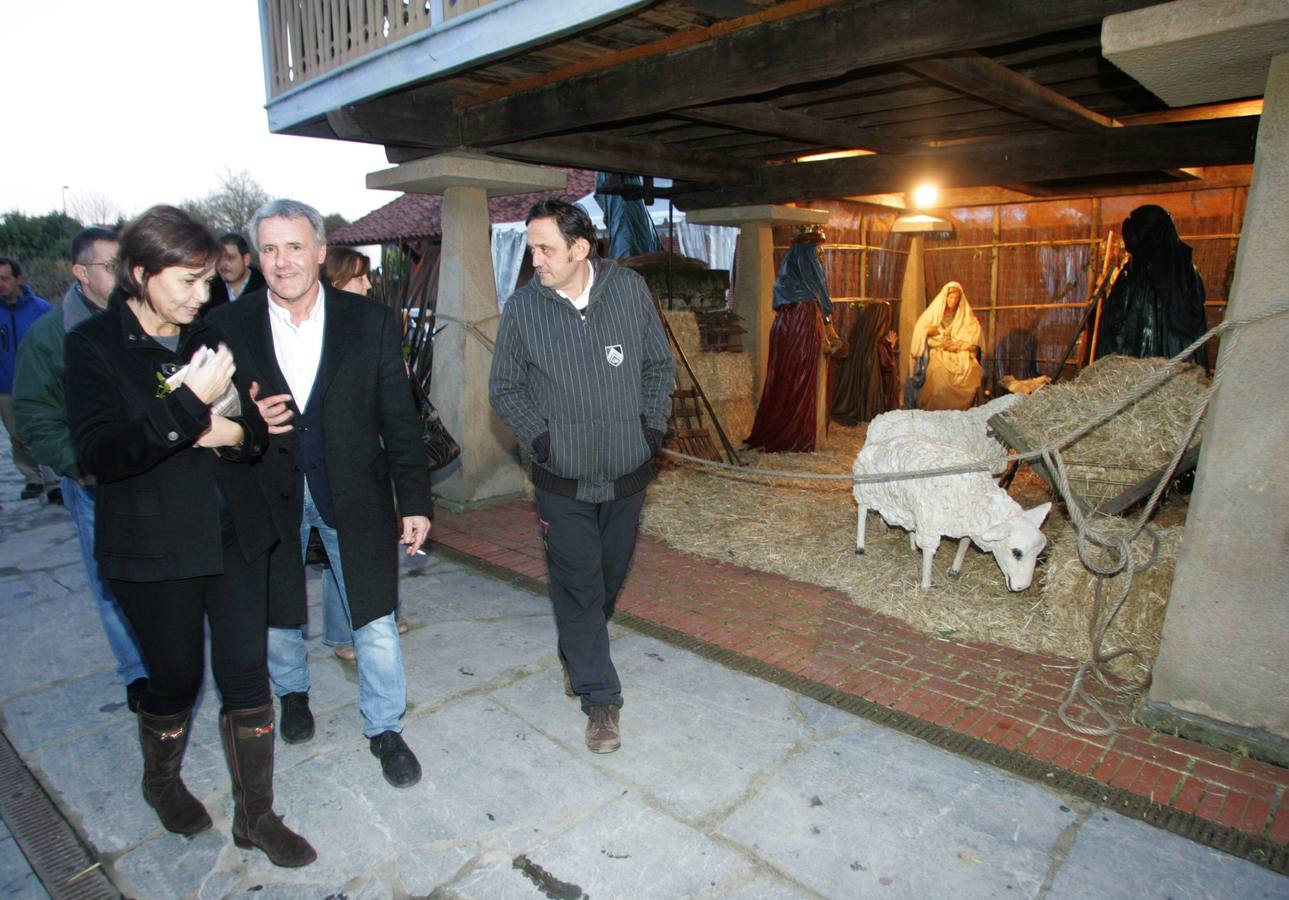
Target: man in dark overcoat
x: 343, y: 429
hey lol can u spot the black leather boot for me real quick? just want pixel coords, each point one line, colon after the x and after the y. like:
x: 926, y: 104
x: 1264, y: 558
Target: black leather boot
x: 248, y: 746
x: 163, y: 740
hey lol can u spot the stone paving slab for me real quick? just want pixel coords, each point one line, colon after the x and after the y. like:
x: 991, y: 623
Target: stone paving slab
x: 726, y: 787
x: 998, y: 695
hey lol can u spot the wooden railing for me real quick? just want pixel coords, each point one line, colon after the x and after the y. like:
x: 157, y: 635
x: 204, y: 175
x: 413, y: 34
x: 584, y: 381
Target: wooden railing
x: 307, y: 38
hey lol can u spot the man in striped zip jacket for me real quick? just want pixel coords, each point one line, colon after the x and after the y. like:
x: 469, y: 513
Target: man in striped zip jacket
x: 583, y: 374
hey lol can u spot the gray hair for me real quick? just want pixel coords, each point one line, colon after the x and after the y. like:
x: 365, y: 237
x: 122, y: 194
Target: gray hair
x: 285, y: 209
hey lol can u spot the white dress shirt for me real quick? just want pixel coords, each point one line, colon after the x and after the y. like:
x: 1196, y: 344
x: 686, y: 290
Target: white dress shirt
x: 299, y: 347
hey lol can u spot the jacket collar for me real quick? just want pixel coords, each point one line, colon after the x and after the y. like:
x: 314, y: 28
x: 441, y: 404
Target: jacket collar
x: 133, y: 337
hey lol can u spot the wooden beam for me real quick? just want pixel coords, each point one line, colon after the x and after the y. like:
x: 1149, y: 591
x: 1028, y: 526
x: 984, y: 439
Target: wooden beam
x: 979, y: 76
x: 1232, y: 109
x: 764, y: 118
x: 1014, y: 160
x: 607, y: 154
x: 612, y: 154
x: 801, y: 49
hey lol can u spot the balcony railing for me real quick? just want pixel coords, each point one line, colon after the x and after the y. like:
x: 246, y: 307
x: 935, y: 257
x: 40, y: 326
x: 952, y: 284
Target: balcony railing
x: 307, y: 38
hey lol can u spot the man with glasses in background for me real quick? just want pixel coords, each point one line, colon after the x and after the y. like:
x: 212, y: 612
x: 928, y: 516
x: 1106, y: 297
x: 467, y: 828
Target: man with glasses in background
x: 41, y: 417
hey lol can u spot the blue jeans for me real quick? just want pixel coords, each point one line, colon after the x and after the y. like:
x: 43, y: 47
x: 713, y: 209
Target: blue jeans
x: 335, y: 620
x: 382, y: 690
x: 79, y: 501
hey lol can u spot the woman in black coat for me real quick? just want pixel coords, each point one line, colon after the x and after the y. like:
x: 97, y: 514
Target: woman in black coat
x: 182, y: 530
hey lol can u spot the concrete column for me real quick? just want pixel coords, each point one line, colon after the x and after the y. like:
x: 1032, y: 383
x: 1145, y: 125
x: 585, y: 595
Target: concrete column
x: 1222, y: 674
x: 912, y: 303
x: 1223, y: 651
x: 753, y: 292
x: 488, y: 469
x: 754, y: 283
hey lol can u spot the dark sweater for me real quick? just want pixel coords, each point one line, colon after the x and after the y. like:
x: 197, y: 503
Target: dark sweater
x: 588, y: 392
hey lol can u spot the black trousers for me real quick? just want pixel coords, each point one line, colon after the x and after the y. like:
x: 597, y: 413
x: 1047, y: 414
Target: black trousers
x: 588, y: 548
x: 169, y: 619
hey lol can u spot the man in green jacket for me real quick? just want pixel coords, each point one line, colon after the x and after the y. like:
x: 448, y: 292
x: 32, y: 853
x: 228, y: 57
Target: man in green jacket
x: 41, y: 417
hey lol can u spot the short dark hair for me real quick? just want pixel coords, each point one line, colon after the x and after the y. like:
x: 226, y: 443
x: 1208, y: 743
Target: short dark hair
x: 13, y: 266
x: 233, y: 237
x: 157, y: 240
x: 83, y: 243
x: 572, y: 220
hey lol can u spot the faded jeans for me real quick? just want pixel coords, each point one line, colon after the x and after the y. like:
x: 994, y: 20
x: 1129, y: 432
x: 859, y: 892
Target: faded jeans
x: 79, y: 501
x: 382, y: 690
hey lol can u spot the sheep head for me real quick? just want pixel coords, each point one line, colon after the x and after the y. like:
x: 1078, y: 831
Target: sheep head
x: 1016, y: 543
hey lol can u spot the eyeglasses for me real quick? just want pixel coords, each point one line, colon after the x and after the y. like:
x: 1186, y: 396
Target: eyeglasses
x: 109, y: 267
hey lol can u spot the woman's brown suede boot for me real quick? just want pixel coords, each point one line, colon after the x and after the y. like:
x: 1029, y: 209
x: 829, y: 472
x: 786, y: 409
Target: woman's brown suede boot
x: 163, y: 740
x: 248, y: 745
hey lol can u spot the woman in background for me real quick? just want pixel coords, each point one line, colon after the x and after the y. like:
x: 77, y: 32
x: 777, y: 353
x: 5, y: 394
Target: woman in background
x: 182, y: 530
x: 346, y: 269
x: 949, y: 335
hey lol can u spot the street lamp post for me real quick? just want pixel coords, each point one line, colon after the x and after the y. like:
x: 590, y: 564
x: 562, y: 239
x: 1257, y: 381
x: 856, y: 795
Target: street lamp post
x: 65, y: 187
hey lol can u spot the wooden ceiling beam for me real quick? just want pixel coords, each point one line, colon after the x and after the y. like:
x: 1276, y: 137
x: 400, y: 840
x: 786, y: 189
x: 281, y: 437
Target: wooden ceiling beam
x: 804, y: 48
x: 764, y: 118
x: 1013, y: 160
x: 979, y: 76
x: 606, y: 153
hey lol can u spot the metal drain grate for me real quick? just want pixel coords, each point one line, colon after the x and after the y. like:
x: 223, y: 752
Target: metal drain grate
x: 1229, y: 840
x: 65, y: 867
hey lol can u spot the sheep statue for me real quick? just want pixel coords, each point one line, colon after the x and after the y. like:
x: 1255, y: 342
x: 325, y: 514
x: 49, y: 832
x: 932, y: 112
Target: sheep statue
x: 968, y: 506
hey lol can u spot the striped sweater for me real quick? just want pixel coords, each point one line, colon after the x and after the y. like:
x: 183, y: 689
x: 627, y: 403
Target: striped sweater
x: 583, y: 390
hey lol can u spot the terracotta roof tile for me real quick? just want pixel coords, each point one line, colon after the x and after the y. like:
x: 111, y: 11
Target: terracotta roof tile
x: 420, y: 215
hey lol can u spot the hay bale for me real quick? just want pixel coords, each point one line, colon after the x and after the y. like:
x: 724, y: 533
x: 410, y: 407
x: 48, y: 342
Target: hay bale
x: 726, y: 378
x: 1128, y: 448
x: 1068, y: 597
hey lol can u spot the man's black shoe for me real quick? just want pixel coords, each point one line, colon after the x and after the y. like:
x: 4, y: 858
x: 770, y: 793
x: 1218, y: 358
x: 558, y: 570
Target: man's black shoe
x: 55, y: 496
x: 397, y: 761
x: 134, y: 693
x: 32, y: 490
x: 297, y: 721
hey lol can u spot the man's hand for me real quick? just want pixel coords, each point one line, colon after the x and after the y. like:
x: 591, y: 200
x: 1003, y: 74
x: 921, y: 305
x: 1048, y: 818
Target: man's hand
x: 415, y: 530
x: 274, y: 410
x: 88, y: 480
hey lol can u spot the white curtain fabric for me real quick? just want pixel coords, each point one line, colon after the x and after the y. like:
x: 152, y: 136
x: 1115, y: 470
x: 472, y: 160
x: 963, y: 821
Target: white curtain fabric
x: 508, y: 248
x: 714, y: 244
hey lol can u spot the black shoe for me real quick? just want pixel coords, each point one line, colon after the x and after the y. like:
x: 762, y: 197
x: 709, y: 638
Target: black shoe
x: 134, y: 693
x: 397, y: 761
x: 297, y: 721
x: 55, y: 496
x: 32, y: 490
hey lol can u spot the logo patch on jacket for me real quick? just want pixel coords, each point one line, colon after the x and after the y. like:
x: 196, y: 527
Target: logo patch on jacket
x: 613, y: 353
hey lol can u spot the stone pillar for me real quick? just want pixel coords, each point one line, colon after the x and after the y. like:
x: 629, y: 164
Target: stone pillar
x: 912, y: 303
x: 754, y: 281
x: 488, y: 469
x: 1222, y: 673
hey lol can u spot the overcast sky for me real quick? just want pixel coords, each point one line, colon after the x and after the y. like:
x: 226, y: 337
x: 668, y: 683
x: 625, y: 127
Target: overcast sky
x: 148, y: 101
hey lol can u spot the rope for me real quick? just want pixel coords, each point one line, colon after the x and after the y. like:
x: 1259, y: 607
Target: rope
x: 1118, y: 546
x: 472, y: 328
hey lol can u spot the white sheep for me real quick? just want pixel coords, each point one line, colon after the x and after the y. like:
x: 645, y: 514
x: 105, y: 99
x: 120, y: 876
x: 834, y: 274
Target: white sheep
x: 967, y: 506
x: 968, y: 429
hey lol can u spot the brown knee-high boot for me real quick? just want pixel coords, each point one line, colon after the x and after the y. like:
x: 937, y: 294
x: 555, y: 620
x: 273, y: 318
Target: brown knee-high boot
x: 163, y: 740
x: 248, y: 745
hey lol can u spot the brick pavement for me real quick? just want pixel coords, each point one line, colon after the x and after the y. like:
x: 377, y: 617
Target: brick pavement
x: 1003, y: 696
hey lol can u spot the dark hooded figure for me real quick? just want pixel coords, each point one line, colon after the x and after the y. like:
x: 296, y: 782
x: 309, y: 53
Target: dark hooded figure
x: 1156, y: 306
